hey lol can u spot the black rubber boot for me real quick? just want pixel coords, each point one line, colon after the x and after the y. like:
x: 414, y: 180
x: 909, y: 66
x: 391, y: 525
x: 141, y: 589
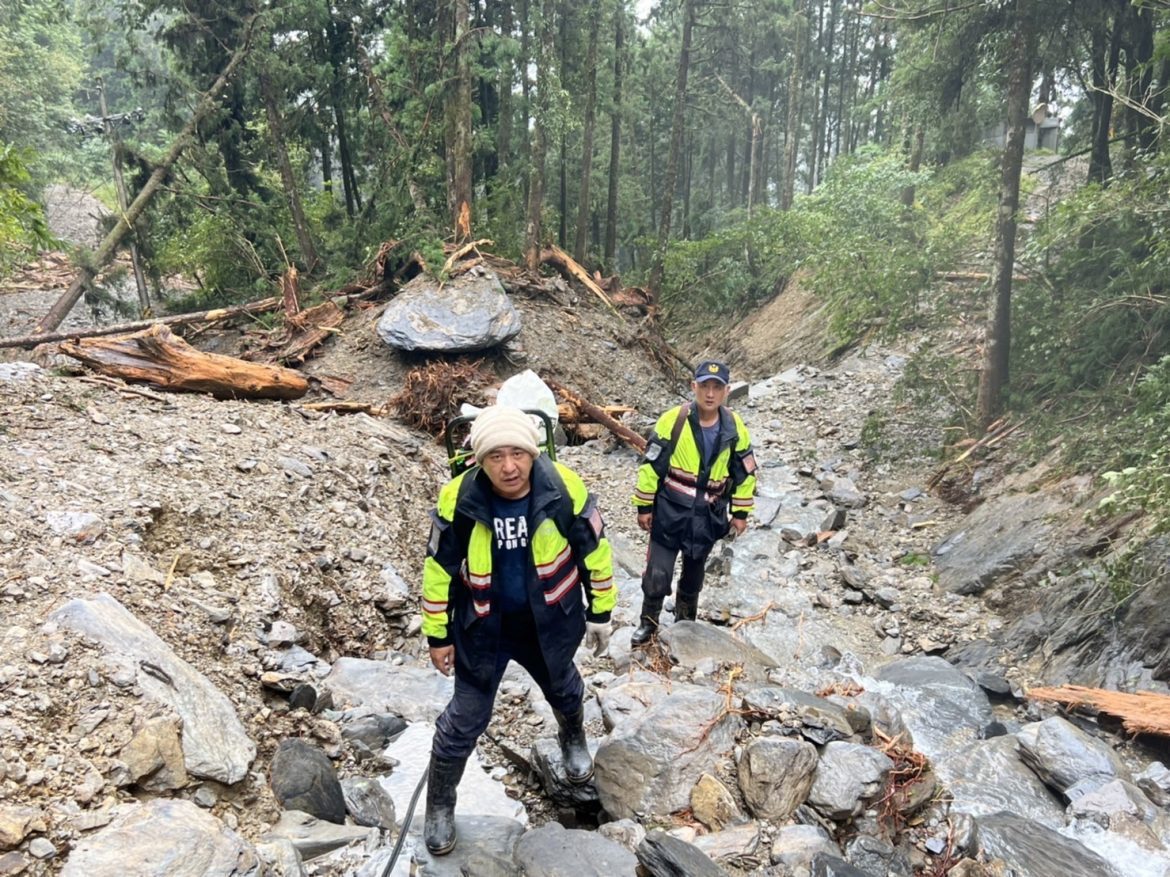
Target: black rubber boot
x: 648, y: 623
x: 686, y: 607
x: 574, y: 749
x: 442, y: 780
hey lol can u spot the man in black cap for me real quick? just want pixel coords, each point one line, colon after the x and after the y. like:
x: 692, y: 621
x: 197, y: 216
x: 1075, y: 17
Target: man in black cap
x: 697, y: 470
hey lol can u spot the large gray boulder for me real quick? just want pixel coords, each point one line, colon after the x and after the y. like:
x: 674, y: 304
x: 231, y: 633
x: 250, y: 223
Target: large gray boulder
x: 690, y: 642
x: 414, y: 693
x: 649, y: 764
x: 554, y: 851
x: 215, y: 744
x: 775, y: 776
x: 464, y: 314
x: 163, y: 838
x: 303, y: 778
x: 1036, y: 850
x: 987, y: 776
x: 847, y: 778
x: 1064, y: 756
x: 942, y: 707
x: 485, y: 848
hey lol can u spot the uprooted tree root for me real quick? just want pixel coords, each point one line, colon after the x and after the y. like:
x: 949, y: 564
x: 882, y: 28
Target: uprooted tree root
x: 910, y: 767
x: 431, y: 393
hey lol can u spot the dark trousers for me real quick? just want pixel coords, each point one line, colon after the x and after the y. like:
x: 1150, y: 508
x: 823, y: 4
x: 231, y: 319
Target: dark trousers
x: 470, y: 710
x: 660, y: 571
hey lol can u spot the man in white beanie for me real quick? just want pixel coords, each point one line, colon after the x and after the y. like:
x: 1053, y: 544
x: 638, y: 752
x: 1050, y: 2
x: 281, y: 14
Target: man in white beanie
x: 517, y: 569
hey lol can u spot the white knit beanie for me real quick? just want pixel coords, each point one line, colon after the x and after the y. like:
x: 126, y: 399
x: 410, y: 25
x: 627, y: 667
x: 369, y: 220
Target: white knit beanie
x: 501, y: 427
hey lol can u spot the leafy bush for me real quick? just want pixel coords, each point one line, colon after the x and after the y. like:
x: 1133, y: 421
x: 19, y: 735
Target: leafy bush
x: 22, y: 223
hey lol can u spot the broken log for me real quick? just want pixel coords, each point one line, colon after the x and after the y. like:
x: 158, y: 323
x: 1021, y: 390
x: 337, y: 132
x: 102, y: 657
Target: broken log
x: 623, y: 432
x: 1142, y: 712
x: 212, y: 316
x: 103, y: 254
x: 561, y: 260
x: 155, y: 356
x: 567, y: 412
x: 308, y: 329
x: 289, y: 293
x: 977, y: 276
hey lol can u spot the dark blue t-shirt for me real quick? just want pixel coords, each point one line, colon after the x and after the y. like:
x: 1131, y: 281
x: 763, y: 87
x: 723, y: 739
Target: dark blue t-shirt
x: 710, y: 436
x: 510, y: 552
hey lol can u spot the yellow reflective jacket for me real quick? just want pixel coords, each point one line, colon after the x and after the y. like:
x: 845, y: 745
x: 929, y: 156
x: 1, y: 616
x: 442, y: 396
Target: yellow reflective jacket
x: 691, y: 497
x: 570, y: 570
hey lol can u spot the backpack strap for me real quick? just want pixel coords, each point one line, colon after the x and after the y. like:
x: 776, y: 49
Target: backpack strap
x: 563, y: 516
x: 684, y: 412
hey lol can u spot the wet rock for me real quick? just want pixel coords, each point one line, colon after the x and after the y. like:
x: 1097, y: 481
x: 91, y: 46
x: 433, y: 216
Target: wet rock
x: 554, y: 851
x: 733, y: 842
x: 691, y: 642
x: 817, y: 719
x: 1063, y: 756
x: 303, y: 778
x: 1036, y: 850
x: 372, y: 729
x: 884, y: 716
x: 368, y: 803
x: 987, y: 777
x: 876, y: 856
x: 1123, y: 809
x: 1002, y: 535
x: 631, y: 698
x: 828, y: 865
x: 712, y: 804
x: 467, y: 313
x: 627, y: 832
x: 847, y: 777
x: 664, y: 856
x: 941, y: 706
x: 775, y: 776
x: 1155, y: 782
x: 215, y: 744
x: 549, y: 764
x: 795, y: 846
x: 414, y: 693
x: 479, y: 794
x: 163, y: 838
x: 486, y: 845
x: 281, y: 857
x: 314, y: 837
x: 649, y: 763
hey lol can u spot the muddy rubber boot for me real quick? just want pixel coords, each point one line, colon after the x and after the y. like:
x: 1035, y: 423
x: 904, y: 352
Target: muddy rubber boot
x: 442, y: 780
x: 648, y: 623
x: 574, y: 749
x: 686, y: 607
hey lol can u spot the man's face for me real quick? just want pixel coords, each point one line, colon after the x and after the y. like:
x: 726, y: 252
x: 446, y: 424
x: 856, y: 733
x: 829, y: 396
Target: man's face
x: 709, y: 395
x: 508, y: 469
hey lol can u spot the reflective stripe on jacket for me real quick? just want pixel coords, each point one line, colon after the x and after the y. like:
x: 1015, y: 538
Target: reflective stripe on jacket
x: 570, y: 574
x: 691, y: 499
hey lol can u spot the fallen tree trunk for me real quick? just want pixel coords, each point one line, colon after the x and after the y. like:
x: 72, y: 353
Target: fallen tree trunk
x: 1142, y: 712
x: 558, y: 258
x: 157, y: 357
x: 109, y: 245
x: 212, y: 316
x: 623, y: 432
x: 308, y: 329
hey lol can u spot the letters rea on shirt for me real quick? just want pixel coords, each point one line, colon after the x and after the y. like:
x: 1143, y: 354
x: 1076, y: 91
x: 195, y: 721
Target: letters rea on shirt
x: 511, y: 532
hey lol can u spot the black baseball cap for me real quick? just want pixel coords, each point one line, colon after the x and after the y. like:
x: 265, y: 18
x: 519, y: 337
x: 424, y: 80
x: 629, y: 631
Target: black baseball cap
x: 712, y: 370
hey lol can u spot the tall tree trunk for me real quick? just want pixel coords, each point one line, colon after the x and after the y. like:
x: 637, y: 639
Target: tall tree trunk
x: 688, y: 146
x: 814, y: 153
x: 826, y: 107
x: 459, y: 125
x: 615, y: 141
x: 654, y: 286
x: 507, y: 78
x: 380, y: 108
x: 993, y: 378
x: 288, y: 179
x: 563, y: 193
x: 539, y: 147
x: 594, y: 13
x: 908, y: 193
x: 526, y: 89
x: 326, y: 149
x: 1106, y: 47
x: 61, y: 308
x: 1143, y: 56
x: 792, y: 123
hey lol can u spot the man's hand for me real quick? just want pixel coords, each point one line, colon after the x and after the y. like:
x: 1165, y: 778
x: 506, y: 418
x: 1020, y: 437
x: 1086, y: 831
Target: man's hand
x: 597, y: 636
x: 646, y: 520
x: 739, y: 525
x: 443, y: 658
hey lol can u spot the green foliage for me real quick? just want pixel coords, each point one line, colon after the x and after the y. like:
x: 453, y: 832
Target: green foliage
x: 864, y: 250
x: 22, y: 224
x: 914, y: 559
x: 1143, y: 484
